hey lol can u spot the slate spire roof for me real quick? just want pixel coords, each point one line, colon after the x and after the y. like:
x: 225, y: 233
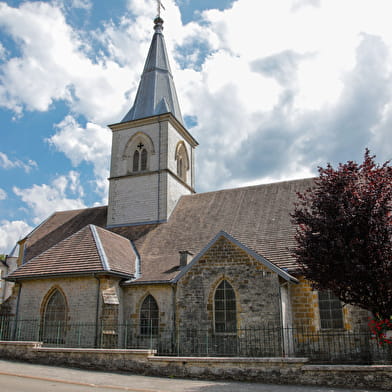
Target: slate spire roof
x: 156, y: 93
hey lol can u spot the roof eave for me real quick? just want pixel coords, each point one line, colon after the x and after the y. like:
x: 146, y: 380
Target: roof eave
x: 151, y: 119
x: 68, y: 274
x: 283, y: 274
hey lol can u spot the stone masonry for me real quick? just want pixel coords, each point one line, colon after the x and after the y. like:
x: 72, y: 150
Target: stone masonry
x: 256, y: 289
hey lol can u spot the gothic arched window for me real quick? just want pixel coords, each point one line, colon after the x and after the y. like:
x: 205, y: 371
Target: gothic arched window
x: 143, y: 160
x: 182, y: 161
x: 135, y: 167
x: 149, y: 317
x: 225, y: 312
x: 54, y: 319
x: 137, y: 153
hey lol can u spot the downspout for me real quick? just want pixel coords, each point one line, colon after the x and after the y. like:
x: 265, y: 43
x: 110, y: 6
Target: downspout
x: 97, y: 311
x: 281, y: 321
x: 174, y: 305
x: 17, y: 312
x: 285, y: 330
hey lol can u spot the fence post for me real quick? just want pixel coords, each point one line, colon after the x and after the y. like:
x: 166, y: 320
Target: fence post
x: 178, y: 343
x: 151, y: 334
x: 207, y: 351
x: 1, y: 327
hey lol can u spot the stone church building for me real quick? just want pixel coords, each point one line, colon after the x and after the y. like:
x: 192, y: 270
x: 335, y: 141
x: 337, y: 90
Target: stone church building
x: 161, y: 259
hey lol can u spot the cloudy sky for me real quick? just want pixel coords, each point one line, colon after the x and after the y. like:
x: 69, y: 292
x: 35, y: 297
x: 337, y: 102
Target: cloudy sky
x: 270, y: 89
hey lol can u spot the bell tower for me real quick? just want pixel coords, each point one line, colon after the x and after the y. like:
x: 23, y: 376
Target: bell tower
x: 152, y: 161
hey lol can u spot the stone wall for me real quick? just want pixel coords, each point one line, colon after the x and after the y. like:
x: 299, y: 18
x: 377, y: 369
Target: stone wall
x: 256, y: 289
x: 258, y: 306
x: 133, y: 297
x: 305, y: 309
x: 304, y: 305
x: 80, y: 295
x: 266, y: 370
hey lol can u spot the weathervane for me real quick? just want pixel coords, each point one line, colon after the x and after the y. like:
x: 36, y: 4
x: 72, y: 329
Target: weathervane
x: 159, y: 6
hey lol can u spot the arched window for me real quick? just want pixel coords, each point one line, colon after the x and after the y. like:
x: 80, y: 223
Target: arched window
x: 54, y: 319
x: 140, y: 158
x: 149, y: 317
x: 225, y: 313
x: 137, y: 153
x: 180, y: 168
x: 182, y: 161
x: 136, y: 161
x: 143, y: 163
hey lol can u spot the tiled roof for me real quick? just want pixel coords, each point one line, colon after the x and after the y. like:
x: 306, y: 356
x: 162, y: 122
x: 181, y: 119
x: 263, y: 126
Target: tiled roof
x: 60, y: 225
x: 89, y: 250
x: 257, y: 216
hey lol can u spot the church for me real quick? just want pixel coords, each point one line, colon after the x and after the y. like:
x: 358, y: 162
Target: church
x: 161, y: 262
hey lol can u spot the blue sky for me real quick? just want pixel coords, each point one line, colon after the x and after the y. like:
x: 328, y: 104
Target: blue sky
x: 270, y: 90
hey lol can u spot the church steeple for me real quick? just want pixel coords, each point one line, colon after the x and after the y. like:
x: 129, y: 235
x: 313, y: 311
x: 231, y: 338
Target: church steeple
x: 152, y: 163
x: 156, y: 93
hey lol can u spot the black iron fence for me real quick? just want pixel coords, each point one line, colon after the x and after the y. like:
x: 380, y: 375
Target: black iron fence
x: 319, y: 346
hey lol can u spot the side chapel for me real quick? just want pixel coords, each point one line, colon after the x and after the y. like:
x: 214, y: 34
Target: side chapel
x: 161, y: 258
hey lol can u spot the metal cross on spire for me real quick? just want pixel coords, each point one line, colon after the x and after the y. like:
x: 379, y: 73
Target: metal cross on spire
x: 159, y: 6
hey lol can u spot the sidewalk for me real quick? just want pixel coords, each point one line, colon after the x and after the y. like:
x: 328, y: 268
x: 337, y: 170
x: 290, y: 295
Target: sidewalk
x: 136, y: 383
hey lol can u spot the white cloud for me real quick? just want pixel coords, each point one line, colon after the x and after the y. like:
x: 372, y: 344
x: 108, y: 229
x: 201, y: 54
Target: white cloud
x: 3, y: 52
x: 54, y: 65
x: 10, y: 233
x: 6, y: 163
x: 277, y: 87
x: 3, y: 194
x: 90, y: 144
x: 64, y: 193
x: 275, y: 99
x: 83, y: 4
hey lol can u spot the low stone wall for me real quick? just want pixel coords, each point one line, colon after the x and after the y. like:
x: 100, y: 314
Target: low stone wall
x: 266, y: 370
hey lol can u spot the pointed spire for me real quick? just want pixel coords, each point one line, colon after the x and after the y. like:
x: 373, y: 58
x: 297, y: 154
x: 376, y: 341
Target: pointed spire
x: 156, y: 93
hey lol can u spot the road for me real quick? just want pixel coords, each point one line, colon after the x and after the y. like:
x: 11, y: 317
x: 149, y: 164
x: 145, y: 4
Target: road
x: 24, y: 377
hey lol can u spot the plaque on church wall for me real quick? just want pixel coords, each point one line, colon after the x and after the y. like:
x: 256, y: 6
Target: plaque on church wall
x: 110, y: 296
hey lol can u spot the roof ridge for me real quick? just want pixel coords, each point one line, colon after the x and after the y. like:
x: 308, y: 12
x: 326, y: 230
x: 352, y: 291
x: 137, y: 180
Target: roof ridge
x: 231, y: 238
x: 100, y: 247
x: 106, y: 229
x: 249, y: 187
x: 53, y: 246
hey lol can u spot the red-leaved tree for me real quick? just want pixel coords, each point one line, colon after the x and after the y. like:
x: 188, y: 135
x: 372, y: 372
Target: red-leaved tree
x: 344, y: 233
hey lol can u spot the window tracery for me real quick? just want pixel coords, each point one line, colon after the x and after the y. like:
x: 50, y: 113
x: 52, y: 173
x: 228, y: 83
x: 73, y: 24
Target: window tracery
x: 225, y: 309
x: 149, y: 317
x: 330, y: 308
x: 54, y: 318
x: 138, y: 152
